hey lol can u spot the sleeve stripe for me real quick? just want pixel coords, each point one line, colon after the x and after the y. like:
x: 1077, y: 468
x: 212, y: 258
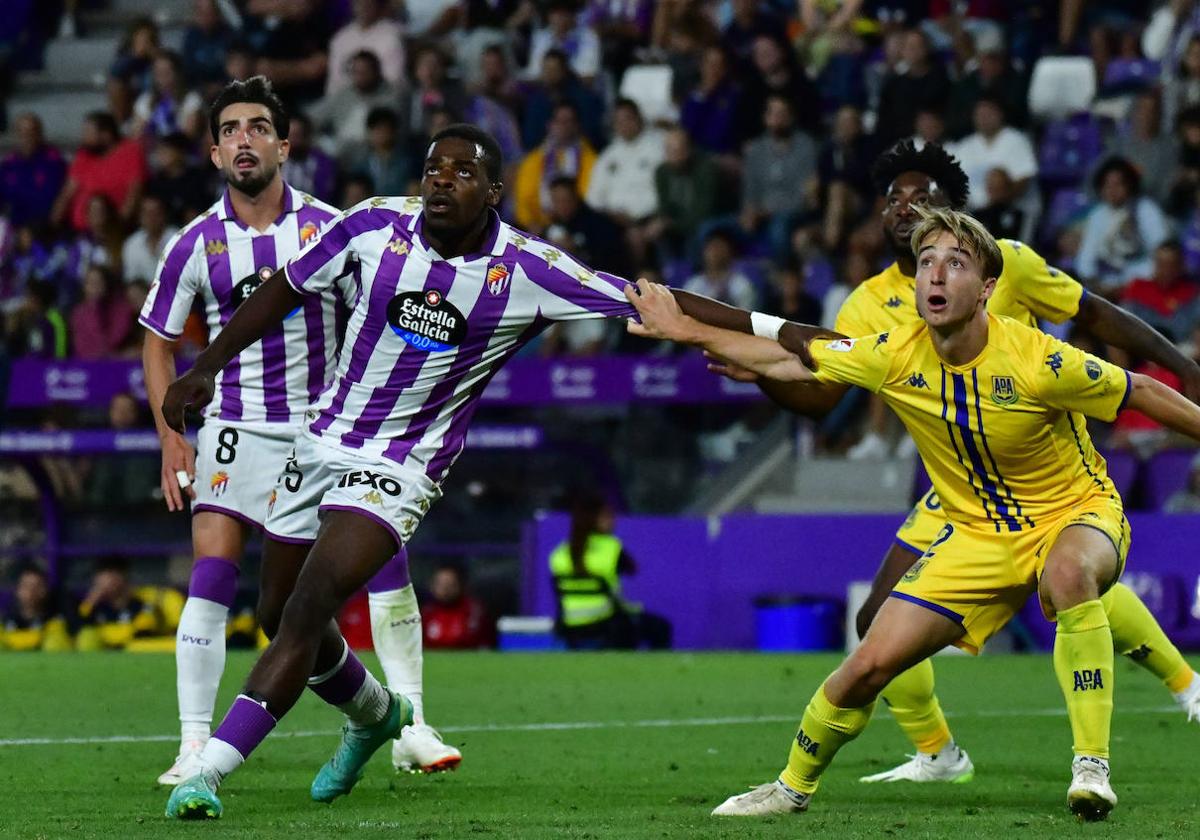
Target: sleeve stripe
x: 334, y: 240
x: 1128, y: 391
x: 161, y: 332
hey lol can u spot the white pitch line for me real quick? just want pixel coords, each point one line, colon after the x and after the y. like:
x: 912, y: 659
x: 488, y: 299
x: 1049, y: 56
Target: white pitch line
x: 653, y: 723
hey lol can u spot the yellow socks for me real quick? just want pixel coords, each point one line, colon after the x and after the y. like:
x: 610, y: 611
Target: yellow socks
x: 1137, y: 634
x: 1083, y: 662
x: 823, y: 731
x: 916, y: 709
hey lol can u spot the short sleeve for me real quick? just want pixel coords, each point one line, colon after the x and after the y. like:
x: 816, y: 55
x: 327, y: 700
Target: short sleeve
x: 852, y: 316
x: 328, y: 257
x: 1048, y: 292
x: 1070, y: 379
x: 177, y: 281
x: 852, y: 361
x: 567, y: 290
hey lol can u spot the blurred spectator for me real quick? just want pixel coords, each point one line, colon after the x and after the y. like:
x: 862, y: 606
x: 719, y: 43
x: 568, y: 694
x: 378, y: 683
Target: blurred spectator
x: 100, y: 244
x: 774, y: 71
x: 110, y: 614
x: 495, y: 80
x: 484, y: 25
x: 1187, y: 500
x: 559, y: 83
x: 290, y: 38
x: 432, y: 89
x: 684, y: 32
x: 856, y: 268
x: 141, y: 252
x: 105, y: 165
x: 989, y: 74
x: 205, y: 42
x: 184, y: 188
x: 1121, y: 231
x: 384, y: 160
x: 1134, y: 430
x: 623, y: 26
x: 136, y: 53
x: 622, y: 183
x: 31, y: 176
x: 592, y: 237
x: 1143, y: 144
x: 1002, y: 216
x: 779, y: 176
x: 788, y: 298
x: 430, y: 19
x: 127, y: 480
x: 35, y: 257
x: 749, y: 21
x: 711, y: 112
x: 495, y: 104
x: 119, y: 98
x: 308, y: 168
x: 686, y: 183
x: 102, y: 321
x: 918, y: 82
x: 930, y: 128
x: 356, y: 188
x: 996, y: 145
x: 563, y: 31
x: 1167, y: 300
x: 372, y: 30
x: 844, y: 175
x: 34, y: 621
x: 168, y: 105
x: 564, y: 153
x: 451, y: 617
x: 343, y: 115
x: 1185, y: 181
x: 1169, y: 31
x: 239, y: 62
x: 37, y: 328
x: 1181, y: 86
x: 718, y: 277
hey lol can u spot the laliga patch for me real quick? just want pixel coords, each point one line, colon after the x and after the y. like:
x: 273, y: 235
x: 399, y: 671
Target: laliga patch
x: 249, y: 285
x: 427, y: 321
x: 842, y: 345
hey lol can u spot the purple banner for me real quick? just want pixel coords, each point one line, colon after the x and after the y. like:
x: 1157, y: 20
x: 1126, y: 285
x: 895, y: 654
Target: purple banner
x: 523, y: 382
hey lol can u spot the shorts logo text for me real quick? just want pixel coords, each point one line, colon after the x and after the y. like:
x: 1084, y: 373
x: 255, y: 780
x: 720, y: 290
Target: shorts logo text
x: 373, y: 480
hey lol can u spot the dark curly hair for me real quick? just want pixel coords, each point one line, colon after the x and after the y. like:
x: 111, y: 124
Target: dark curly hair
x: 932, y: 160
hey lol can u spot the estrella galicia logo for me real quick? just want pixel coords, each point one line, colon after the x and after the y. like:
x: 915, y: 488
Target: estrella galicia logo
x: 1054, y: 362
x: 249, y: 285
x: 1004, y: 390
x: 1092, y: 368
x: 426, y: 320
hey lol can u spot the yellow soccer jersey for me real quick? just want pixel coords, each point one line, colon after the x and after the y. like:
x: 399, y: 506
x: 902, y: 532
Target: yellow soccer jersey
x: 1027, y: 290
x: 1001, y: 437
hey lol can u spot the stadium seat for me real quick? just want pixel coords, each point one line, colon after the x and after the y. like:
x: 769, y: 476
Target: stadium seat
x: 649, y: 85
x: 1061, y: 86
x: 1066, y: 206
x: 818, y: 276
x: 1122, y: 469
x: 1166, y: 474
x: 1127, y: 75
x: 1068, y: 149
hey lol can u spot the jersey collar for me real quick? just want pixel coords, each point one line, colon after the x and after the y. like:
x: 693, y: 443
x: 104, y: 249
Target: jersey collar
x: 291, y: 203
x: 495, y: 240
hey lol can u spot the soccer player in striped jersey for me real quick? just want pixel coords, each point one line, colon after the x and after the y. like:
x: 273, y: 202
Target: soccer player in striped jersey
x: 997, y: 410
x: 449, y: 293
x: 222, y: 257
x: 1028, y: 290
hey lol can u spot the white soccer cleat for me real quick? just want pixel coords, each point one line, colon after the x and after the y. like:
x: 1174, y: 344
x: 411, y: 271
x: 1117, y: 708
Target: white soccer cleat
x: 187, y: 764
x: 951, y: 765
x: 1189, y: 699
x: 763, y: 801
x: 1090, y: 797
x: 420, y: 749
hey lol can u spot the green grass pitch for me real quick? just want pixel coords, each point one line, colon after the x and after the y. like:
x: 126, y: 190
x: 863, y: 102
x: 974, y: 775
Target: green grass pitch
x: 585, y: 746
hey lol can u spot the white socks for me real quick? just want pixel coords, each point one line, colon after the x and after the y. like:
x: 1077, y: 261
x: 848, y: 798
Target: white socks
x: 396, y: 631
x: 199, y: 662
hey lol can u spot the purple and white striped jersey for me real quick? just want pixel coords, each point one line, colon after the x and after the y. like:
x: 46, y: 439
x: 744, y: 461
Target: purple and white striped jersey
x: 428, y: 333
x: 218, y: 257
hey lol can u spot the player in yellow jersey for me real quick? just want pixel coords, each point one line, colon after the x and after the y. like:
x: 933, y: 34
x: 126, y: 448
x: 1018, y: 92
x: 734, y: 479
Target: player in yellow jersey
x: 997, y: 412
x: 1027, y: 290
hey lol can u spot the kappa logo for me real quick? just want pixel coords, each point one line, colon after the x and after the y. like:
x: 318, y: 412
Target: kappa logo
x: 305, y: 198
x: 517, y: 240
x: 219, y: 482
x: 1092, y: 368
x: 399, y: 246
x: 497, y: 279
x: 216, y: 247
x: 893, y: 302
x: 371, y: 497
x: 1054, y: 362
x: 1088, y: 680
x: 1004, y: 390
x: 413, y: 202
x: 1140, y: 654
x: 881, y: 339
x: 806, y: 743
x: 917, y: 380
x: 584, y: 277
x: 373, y: 480
x: 379, y: 201
x: 551, y: 256
x: 407, y: 526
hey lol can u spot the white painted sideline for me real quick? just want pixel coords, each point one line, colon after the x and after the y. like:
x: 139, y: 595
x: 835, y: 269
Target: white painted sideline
x: 661, y: 723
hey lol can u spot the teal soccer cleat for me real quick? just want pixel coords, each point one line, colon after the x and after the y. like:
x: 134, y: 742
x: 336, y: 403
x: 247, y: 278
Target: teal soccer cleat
x: 194, y: 798
x: 340, y: 773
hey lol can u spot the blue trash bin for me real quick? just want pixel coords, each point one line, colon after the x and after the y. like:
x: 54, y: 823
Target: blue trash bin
x: 797, y: 623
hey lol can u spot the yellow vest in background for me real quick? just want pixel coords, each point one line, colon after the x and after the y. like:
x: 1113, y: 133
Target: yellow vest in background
x: 595, y: 596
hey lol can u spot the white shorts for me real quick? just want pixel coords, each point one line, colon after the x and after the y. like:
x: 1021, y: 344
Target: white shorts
x: 318, y: 477
x: 236, y: 469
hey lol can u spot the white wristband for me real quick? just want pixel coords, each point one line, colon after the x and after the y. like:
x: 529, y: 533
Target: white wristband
x: 185, y: 481
x: 766, y: 326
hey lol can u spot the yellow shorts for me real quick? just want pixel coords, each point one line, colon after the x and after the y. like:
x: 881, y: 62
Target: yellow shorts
x: 922, y: 525
x: 981, y: 579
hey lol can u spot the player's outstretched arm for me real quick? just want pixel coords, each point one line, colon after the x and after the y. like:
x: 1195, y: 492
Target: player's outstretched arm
x: 1120, y: 328
x: 178, y: 457
x: 264, y: 309
x: 663, y: 318
x: 1165, y: 405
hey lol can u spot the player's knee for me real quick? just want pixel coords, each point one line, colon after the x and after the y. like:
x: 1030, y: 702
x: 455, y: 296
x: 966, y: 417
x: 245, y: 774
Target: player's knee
x: 308, y: 609
x: 867, y: 673
x: 1067, y: 583
x: 269, y: 612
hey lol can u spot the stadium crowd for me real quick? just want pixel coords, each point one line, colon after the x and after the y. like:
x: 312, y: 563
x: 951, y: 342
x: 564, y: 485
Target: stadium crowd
x: 720, y: 146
